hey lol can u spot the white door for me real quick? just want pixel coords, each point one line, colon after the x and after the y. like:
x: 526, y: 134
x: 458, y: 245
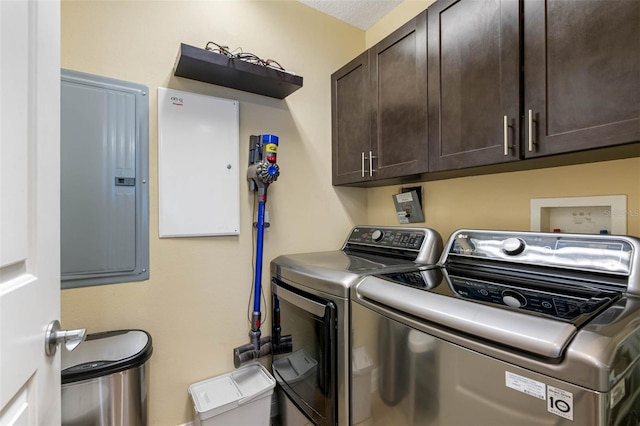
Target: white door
x: 29, y: 210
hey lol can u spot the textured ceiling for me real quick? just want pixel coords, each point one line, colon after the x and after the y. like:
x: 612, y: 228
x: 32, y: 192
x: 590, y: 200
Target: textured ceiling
x: 359, y: 13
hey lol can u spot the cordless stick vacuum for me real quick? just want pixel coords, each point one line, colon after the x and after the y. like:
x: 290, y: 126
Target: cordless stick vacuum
x: 262, y: 172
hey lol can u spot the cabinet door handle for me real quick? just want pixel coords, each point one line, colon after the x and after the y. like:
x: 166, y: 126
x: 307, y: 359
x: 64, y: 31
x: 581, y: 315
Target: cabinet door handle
x: 362, y: 167
x: 506, y: 134
x: 531, y: 120
x: 371, y: 157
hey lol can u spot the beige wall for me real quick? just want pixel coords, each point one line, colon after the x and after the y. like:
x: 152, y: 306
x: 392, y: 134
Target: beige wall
x: 196, y: 303
x: 502, y: 201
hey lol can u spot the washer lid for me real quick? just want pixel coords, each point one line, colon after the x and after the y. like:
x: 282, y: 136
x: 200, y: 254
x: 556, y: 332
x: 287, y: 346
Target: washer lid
x: 105, y: 353
x: 540, y: 336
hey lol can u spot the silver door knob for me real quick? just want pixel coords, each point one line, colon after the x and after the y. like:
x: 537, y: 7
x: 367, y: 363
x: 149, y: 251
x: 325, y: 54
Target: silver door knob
x: 55, y: 335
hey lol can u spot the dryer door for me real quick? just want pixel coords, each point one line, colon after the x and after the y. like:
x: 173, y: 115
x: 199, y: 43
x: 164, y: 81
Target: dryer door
x: 305, y: 351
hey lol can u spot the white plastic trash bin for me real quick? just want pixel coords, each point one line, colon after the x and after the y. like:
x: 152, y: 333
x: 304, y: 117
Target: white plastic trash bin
x: 242, y: 397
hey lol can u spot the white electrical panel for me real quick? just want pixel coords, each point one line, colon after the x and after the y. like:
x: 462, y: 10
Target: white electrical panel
x: 198, y: 165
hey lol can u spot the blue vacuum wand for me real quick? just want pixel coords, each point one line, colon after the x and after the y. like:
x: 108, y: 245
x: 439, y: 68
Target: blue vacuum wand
x: 262, y: 172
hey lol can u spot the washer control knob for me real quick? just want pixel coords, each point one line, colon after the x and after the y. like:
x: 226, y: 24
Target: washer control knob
x: 377, y: 235
x: 513, y: 246
x: 513, y: 299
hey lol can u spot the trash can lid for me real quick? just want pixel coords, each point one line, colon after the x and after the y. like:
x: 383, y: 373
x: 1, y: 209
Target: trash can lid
x: 105, y: 353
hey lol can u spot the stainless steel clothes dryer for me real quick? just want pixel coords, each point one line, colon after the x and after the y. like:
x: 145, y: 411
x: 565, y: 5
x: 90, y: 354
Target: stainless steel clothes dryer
x: 310, y: 335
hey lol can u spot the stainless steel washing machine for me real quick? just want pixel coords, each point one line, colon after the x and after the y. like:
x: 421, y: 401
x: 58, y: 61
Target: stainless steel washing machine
x: 311, y: 330
x: 512, y: 328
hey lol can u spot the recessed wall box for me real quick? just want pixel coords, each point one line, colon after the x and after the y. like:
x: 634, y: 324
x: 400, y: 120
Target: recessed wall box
x: 580, y: 215
x: 215, y: 68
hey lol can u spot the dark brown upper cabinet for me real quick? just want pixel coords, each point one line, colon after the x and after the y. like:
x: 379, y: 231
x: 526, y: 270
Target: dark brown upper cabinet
x: 581, y: 75
x: 575, y: 87
x: 399, y: 102
x: 350, y: 121
x: 474, y: 83
x: 379, y: 109
x: 507, y: 80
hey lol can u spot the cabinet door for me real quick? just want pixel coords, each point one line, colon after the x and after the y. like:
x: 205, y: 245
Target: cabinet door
x: 582, y: 74
x: 350, y: 121
x: 474, y: 83
x: 399, y: 101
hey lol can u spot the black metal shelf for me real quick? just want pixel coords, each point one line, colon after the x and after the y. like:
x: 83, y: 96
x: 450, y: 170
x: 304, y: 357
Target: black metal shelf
x: 210, y: 67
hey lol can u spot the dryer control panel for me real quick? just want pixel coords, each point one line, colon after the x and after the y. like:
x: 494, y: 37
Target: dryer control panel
x: 387, y: 237
x: 421, y: 245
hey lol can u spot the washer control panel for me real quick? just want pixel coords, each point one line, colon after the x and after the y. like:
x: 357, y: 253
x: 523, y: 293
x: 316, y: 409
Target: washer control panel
x: 563, y: 306
x: 560, y: 306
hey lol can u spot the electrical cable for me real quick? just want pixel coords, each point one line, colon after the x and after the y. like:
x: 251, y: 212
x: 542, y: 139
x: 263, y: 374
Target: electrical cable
x: 245, y: 56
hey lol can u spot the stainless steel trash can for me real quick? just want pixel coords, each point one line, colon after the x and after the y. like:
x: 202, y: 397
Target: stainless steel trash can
x: 104, y: 381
